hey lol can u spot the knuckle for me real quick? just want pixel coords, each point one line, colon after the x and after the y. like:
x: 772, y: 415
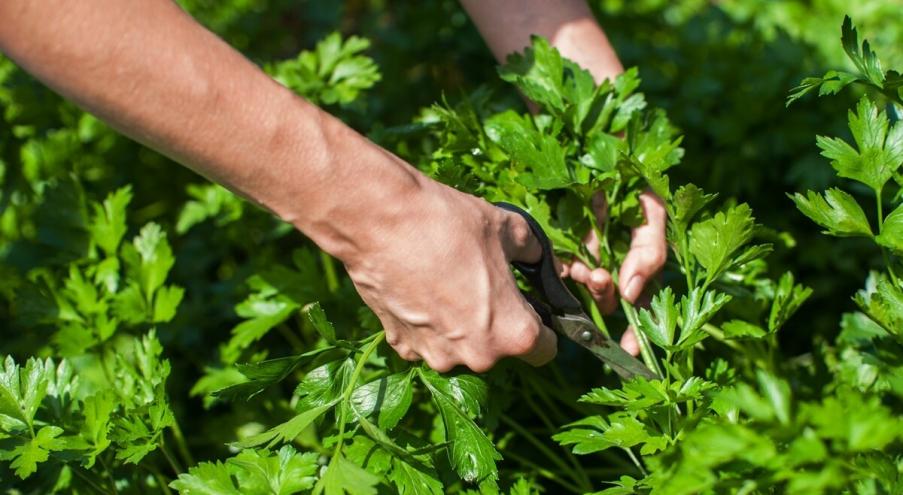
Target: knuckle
x: 657, y: 258
x: 481, y: 365
x: 441, y: 365
x: 524, y: 338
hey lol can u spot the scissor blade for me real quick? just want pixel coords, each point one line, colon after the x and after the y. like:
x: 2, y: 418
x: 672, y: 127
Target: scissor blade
x: 583, y: 331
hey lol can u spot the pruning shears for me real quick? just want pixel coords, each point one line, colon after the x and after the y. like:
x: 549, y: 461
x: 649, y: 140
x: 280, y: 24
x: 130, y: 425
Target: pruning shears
x: 562, y: 312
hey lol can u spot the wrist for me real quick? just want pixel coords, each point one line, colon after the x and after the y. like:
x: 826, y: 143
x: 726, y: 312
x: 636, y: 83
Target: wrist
x: 351, y: 192
x: 584, y: 42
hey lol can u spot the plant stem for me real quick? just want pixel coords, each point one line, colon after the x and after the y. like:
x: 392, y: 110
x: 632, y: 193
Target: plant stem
x: 541, y: 447
x: 542, y: 416
x: 636, y: 461
x: 545, y: 473
x: 181, y: 444
x: 109, y: 474
x: 332, y: 280
x: 78, y: 472
x: 645, y: 347
x: 346, y: 395
x: 880, y: 207
x: 173, y: 463
x: 291, y: 338
x: 719, y: 336
x: 157, y: 476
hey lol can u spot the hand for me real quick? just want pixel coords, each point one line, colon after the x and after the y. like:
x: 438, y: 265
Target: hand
x: 440, y: 282
x: 646, y: 257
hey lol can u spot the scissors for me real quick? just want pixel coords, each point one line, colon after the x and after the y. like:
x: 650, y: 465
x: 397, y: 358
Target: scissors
x: 562, y: 312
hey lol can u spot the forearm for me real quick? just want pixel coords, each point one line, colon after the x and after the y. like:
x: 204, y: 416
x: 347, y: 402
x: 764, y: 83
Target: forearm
x: 153, y: 73
x: 506, y: 25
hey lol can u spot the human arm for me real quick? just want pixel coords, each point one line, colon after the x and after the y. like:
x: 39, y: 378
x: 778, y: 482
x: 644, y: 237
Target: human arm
x: 153, y: 73
x: 569, y: 25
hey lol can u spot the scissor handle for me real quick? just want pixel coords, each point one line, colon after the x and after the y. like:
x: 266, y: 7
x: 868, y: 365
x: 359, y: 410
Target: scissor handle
x: 542, y: 275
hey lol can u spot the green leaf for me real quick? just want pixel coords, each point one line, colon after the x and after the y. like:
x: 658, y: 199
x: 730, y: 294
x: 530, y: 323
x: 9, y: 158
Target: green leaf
x: 138, y: 433
x: 777, y: 392
x: 265, y: 373
x: 263, y: 313
x: 686, y: 202
x: 108, y: 225
x: 285, y: 432
x: 130, y: 305
x: 697, y: 308
x: 594, y: 434
x: 891, y: 235
x: 624, y: 486
x: 415, y: 480
x: 836, y: 211
x: 23, y: 390
x: 26, y: 457
x: 538, y: 74
x: 714, y: 241
x: 334, y: 72
x: 318, y: 319
x: 880, y: 147
x: 739, y: 329
x: 865, y: 59
x: 660, y: 327
x: 150, y: 258
x: 342, y: 476
x: 540, y: 154
x: 252, y: 472
x: 882, y: 300
x: 285, y: 473
x: 166, y: 302
x: 585, y: 435
x: 471, y: 453
x: 788, y: 298
x: 207, y: 478
x: 857, y: 423
x: 210, y: 201
x: 388, y: 397
x: 95, y: 430
x: 326, y: 383
x: 831, y: 83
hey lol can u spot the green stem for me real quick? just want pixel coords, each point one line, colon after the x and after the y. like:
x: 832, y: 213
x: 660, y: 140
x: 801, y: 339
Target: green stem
x: 880, y: 206
x: 636, y: 461
x: 545, y: 473
x: 645, y: 347
x: 161, y: 480
x: 291, y: 338
x: 109, y: 473
x: 541, y: 447
x: 719, y: 336
x: 173, y: 463
x: 84, y: 477
x: 332, y: 280
x: 593, y: 310
x: 346, y: 395
x: 548, y: 423
x: 181, y: 443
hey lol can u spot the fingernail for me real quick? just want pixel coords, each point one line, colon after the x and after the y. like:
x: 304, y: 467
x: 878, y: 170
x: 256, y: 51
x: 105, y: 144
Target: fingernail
x: 634, y: 287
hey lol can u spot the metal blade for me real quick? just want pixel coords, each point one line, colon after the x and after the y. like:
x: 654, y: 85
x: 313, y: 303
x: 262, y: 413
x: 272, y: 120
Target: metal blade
x: 582, y: 330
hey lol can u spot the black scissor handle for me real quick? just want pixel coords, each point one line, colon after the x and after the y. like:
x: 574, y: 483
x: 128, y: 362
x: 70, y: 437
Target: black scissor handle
x: 542, y: 275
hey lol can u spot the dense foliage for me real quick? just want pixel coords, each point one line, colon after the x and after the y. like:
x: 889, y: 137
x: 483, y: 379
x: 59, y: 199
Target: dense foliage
x: 160, y: 339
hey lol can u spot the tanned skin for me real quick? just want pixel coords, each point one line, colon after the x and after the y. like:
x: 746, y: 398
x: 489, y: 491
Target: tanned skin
x: 153, y: 73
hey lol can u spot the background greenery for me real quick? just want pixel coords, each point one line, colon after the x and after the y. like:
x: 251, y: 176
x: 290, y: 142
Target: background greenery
x: 721, y: 70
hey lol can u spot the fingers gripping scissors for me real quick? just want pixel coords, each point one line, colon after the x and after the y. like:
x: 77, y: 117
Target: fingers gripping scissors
x: 562, y: 312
